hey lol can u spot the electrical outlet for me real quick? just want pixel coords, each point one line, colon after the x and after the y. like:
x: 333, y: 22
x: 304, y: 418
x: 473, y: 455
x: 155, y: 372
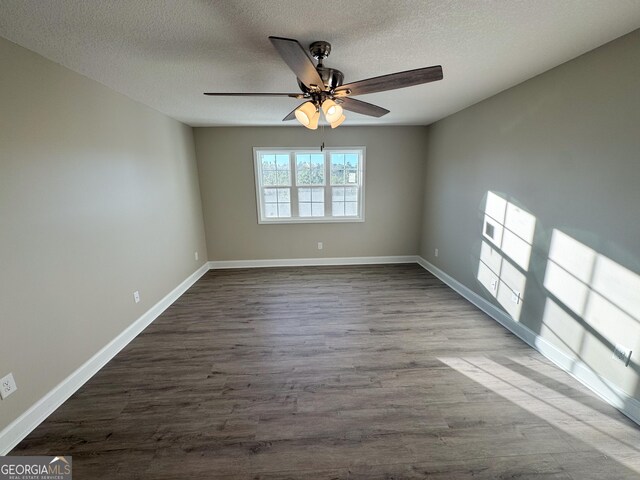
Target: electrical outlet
x: 196, y: 255
x: 320, y: 246
x: 622, y: 353
x: 136, y: 296
x: 436, y: 252
x: 7, y: 386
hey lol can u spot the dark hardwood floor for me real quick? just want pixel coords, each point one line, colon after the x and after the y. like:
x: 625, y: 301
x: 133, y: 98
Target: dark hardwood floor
x: 318, y: 373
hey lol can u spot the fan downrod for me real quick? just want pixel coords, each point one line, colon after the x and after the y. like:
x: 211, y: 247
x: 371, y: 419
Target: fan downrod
x: 331, y: 77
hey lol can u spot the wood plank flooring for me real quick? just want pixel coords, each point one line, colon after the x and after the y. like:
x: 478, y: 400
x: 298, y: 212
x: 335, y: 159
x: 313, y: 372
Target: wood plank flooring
x: 319, y: 373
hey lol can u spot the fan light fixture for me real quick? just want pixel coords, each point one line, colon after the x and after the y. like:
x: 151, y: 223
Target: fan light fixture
x: 338, y: 122
x: 332, y: 111
x: 308, y: 114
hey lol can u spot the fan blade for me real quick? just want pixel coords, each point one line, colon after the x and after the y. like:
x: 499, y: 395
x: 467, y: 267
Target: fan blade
x: 292, y: 115
x: 364, y: 108
x: 296, y: 57
x: 292, y: 95
x: 393, y: 81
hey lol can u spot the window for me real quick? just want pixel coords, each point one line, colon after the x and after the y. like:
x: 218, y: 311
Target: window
x: 306, y: 186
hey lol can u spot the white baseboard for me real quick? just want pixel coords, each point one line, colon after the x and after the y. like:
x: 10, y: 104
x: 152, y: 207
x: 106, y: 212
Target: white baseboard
x: 577, y: 369
x: 11, y: 435
x: 307, y: 262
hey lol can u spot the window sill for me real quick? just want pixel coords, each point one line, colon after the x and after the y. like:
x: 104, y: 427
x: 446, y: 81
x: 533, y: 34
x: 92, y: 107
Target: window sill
x: 284, y: 221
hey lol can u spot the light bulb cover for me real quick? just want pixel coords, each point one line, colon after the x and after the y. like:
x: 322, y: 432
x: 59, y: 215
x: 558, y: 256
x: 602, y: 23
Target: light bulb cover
x: 305, y: 113
x: 338, y: 122
x: 313, y: 122
x: 332, y: 111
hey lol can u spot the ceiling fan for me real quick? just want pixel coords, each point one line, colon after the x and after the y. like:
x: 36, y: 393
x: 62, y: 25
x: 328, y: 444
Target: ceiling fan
x: 322, y: 87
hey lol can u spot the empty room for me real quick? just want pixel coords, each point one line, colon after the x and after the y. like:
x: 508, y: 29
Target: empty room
x: 347, y: 240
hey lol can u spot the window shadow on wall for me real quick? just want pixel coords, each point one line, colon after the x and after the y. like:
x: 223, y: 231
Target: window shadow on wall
x: 571, y: 296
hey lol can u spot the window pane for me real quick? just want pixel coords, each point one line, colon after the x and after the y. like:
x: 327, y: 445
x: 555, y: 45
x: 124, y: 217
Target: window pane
x: 283, y: 177
x: 284, y: 210
x: 337, y: 175
x: 303, y: 176
x: 337, y: 168
x: 337, y: 193
x: 351, y: 160
x: 304, y: 194
x: 317, y: 195
x: 337, y: 209
x: 310, y: 169
x: 351, y: 194
x: 268, y: 162
x: 302, y: 160
x: 304, y: 209
x: 270, y: 210
x: 317, y: 160
x: 282, y: 162
x: 351, y: 208
x: 269, y: 177
x: 283, y: 195
x: 317, y: 209
x: 303, y: 169
x: 270, y: 195
x: 317, y: 176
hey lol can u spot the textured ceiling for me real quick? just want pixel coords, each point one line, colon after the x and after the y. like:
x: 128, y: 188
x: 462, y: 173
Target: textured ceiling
x: 165, y: 53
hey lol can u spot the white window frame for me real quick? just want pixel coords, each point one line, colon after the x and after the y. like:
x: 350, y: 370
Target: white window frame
x: 291, y: 152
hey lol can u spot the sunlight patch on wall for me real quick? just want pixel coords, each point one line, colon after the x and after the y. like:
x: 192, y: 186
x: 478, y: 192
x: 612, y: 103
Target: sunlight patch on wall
x: 592, y: 305
x: 560, y: 328
x: 518, y: 235
x: 595, y: 307
x: 503, y: 261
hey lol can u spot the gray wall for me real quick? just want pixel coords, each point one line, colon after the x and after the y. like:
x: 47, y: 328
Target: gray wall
x: 565, y: 147
x: 393, y: 191
x: 98, y: 197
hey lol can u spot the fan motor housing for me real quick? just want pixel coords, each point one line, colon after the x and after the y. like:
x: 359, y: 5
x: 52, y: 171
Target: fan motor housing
x: 331, y: 78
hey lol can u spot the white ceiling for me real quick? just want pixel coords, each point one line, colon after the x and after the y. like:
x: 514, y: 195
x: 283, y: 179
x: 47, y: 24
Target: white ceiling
x: 165, y: 53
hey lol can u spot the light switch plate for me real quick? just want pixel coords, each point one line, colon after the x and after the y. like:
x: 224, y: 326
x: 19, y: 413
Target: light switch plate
x: 7, y: 386
x: 136, y: 296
